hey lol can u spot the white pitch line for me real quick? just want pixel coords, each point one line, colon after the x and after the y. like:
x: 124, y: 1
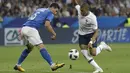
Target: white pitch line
x: 46, y: 71
x: 8, y: 70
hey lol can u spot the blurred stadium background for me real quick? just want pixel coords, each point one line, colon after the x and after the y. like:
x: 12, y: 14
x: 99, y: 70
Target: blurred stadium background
x: 114, y: 22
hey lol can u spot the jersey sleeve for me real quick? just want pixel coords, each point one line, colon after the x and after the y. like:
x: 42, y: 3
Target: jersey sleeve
x: 78, y: 8
x: 50, y: 17
x: 96, y: 24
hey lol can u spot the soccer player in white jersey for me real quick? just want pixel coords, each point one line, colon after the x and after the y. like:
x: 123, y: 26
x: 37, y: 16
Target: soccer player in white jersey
x: 29, y: 33
x: 88, y: 33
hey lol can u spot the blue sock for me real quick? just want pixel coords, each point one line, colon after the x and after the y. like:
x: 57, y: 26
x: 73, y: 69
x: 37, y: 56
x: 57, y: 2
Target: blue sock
x: 46, y: 56
x: 23, y: 56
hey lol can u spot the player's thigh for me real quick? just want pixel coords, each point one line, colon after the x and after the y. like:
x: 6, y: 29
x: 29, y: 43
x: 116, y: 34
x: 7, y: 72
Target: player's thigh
x: 34, y: 38
x: 31, y: 35
x: 25, y: 30
x: 34, y: 41
x: 94, y: 44
x: 26, y: 42
x: 93, y: 50
x: 85, y: 39
x: 88, y: 39
x: 25, y: 33
x: 83, y: 42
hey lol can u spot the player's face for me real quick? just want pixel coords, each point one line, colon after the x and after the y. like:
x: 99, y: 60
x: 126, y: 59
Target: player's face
x: 55, y: 10
x: 84, y: 12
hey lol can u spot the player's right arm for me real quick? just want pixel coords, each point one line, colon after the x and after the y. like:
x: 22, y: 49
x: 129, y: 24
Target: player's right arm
x: 77, y: 6
x: 76, y: 2
x: 50, y: 29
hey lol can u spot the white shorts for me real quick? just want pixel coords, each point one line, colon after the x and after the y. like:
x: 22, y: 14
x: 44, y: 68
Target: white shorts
x: 31, y: 35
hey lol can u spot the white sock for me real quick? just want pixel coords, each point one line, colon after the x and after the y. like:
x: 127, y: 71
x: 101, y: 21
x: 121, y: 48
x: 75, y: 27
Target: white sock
x: 99, y: 49
x: 94, y: 64
x: 89, y: 58
x: 86, y: 54
x: 52, y: 65
x: 18, y: 64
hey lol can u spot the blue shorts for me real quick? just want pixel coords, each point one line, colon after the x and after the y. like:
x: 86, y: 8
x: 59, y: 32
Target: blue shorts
x: 85, y: 39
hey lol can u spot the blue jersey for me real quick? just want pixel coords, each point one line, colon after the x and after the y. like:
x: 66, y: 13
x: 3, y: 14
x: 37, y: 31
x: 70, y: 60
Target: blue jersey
x: 39, y: 17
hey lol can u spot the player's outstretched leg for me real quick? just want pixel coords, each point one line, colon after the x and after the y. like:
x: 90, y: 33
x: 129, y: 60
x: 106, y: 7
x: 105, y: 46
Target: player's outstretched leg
x: 91, y: 61
x: 103, y: 46
x: 21, y: 59
x: 47, y: 57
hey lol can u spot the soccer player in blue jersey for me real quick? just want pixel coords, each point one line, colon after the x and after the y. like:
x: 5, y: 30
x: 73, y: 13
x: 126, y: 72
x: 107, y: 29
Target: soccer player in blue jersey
x: 30, y: 34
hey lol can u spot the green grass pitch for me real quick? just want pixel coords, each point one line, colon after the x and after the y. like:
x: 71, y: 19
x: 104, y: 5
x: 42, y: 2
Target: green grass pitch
x: 117, y: 61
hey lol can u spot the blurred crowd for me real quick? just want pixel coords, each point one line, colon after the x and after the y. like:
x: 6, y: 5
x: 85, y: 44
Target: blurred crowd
x: 23, y: 8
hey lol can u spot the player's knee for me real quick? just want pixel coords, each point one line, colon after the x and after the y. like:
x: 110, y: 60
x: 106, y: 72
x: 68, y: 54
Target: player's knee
x: 82, y: 46
x: 30, y: 47
x: 40, y: 46
x: 93, y: 53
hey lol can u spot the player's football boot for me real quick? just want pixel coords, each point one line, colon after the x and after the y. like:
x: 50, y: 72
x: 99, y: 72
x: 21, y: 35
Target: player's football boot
x: 106, y: 47
x: 57, y: 66
x: 98, y: 70
x: 19, y: 68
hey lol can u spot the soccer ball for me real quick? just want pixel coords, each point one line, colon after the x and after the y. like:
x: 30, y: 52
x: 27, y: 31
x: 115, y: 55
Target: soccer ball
x: 73, y: 54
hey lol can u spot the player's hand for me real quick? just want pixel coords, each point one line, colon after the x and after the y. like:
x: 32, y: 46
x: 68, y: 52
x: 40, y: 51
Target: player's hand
x: 90, y: 45
x: 53, y: 37
x: 76, y: 2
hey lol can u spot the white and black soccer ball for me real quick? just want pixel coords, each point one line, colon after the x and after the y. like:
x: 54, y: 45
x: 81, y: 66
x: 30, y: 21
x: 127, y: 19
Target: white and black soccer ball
x: 73, y: 54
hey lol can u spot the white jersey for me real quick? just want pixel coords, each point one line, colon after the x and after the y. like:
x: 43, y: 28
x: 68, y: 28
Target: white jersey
x: 87, y: 24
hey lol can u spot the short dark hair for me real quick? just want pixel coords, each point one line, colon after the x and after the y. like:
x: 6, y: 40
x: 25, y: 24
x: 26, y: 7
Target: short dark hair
x: 85, y: 6
x: 55, y: 5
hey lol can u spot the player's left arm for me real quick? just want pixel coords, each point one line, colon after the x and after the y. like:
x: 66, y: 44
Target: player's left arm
x: 49, y: 27
x: 95, y: 28
x: 94, y: 37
